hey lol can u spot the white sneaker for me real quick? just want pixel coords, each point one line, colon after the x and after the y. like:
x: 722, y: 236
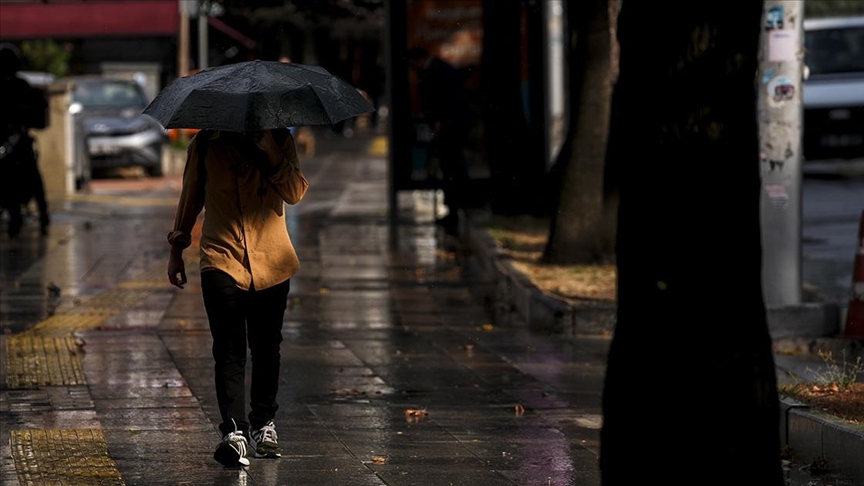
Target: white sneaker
x: 232, y: 449
x: 264, y: 441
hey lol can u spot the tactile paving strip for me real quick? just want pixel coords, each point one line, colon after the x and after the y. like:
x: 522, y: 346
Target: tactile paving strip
x: 67, y: 324
x: 33, y: 360
x: 77, y: 457
x: 115, y: 298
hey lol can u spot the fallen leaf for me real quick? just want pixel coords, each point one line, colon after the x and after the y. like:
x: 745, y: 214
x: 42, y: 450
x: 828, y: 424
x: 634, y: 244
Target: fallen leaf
x: 520, y: 410
x: 413, y: 415
x: 323, y: 290
x: 487, y: 327
x: 379, y: 460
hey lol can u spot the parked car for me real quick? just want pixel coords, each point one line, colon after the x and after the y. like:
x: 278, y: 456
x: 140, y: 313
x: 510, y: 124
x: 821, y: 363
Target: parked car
x: 834, y: 88
x: 111, y: 130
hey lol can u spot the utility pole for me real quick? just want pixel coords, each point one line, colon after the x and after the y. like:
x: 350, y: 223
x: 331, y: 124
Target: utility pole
x: 780, y: 81
x: 187, y: 8
x: 203, y: 46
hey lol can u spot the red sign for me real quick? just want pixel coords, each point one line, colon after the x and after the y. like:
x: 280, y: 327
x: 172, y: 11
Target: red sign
x: 88, y: 19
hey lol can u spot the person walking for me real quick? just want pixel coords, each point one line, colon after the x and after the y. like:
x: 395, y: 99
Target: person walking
x: 23, y: 107
x: 242, y: 182
x: 444, y: 104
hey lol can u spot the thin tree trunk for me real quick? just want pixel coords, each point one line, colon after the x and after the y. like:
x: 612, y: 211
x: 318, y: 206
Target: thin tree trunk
x: 577, y: 232
x: 690, y: 392
x: 504, y: 122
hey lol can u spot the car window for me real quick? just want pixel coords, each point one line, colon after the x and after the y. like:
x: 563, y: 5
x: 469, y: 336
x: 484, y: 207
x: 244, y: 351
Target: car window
x: 110, y: 94
x: 835, y: 51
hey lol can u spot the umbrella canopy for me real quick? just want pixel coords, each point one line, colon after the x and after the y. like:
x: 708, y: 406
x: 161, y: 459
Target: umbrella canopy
x: 257, y: 95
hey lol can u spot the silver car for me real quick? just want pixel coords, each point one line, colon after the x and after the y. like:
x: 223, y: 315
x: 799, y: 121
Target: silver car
x: 834, y: 90
x: 112, y: 132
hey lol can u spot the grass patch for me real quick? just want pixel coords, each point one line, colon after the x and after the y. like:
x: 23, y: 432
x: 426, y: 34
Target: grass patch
x: 523, y: 238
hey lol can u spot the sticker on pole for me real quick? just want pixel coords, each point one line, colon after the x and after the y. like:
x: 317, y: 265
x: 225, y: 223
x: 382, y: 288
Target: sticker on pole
x: 778, y: 196
x: 774, y: 17
x: 780, y: 90
x: 783, y: 45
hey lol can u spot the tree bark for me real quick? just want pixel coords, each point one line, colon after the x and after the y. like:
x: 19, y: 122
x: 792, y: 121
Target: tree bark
x: 577, y: 232
x: 690, y: 391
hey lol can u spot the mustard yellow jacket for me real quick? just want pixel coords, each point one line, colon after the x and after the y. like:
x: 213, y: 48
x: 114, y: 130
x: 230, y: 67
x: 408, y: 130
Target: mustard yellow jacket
x: 242, y: 193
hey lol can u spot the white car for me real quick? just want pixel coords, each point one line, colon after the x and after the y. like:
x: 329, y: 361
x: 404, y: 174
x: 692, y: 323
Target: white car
x: 834, y: 89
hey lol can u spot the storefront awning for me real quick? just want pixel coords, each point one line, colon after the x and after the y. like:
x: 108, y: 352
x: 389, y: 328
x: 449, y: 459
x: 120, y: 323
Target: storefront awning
x: 33, y: 20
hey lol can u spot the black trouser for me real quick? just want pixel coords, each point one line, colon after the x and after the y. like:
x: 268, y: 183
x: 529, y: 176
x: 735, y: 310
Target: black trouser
x: 235, y: 314
x: 21, y: 182
x: 455, y: 183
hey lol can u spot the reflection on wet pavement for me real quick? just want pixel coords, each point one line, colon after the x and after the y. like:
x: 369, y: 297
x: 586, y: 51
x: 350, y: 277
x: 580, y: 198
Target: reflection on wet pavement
x: 371, y: 332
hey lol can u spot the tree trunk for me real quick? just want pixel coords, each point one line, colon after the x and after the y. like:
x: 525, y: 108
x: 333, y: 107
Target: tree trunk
x: 690, y: 391
x: 577, y: 232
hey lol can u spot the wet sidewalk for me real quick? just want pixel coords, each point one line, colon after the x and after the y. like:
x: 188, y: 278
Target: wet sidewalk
x: 392, y: 373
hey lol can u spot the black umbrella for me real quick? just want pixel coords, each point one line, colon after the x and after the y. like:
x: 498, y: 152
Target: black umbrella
x: 257, y: 95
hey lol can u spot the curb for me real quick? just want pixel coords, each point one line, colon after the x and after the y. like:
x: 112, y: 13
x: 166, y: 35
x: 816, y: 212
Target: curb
x: 811, y: 434
x: 515, y: 300
x: 814, y: 319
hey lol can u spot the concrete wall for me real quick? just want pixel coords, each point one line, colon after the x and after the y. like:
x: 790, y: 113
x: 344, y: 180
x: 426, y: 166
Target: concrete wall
x: 54, y: 145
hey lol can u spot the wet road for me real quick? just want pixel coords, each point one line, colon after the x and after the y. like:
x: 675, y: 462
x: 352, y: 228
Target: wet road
x: 831, y: 215
x: 108, y: 380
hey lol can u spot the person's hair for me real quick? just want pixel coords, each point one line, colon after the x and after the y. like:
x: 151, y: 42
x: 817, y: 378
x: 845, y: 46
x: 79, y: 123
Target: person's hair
x: 10, y: 59
x: 417, y: 52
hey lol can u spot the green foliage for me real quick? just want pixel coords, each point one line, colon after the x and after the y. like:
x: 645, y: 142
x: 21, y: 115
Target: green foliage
x: 833, y: 8
x: 46, y: 56
x: 180, y: 145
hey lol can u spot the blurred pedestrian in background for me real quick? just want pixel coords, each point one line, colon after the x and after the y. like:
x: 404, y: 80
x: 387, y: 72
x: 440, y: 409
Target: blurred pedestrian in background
x: 22, y: 107
x: 445, y: 108
x: 247, y: 260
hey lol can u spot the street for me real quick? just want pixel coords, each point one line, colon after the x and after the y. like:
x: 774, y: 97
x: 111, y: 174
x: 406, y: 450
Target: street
x: 832, y: 209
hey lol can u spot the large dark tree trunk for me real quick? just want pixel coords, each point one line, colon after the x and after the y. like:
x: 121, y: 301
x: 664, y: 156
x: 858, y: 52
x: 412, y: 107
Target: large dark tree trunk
x: 577, y: 233
x: 690, y: 395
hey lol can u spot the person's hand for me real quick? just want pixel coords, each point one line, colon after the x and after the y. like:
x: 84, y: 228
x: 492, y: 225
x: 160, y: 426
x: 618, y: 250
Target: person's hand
x: 264, y: 140
x: 176, y: 269
x: 266, y: 143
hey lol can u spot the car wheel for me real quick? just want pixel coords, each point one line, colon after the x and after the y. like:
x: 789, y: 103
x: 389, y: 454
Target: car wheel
x: 155, y: 171
x: 160, y: 168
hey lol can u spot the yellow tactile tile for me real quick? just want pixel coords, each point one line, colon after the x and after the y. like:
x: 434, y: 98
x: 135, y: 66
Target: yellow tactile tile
x: 378, y: 147
x: 141, y: 284
x: 76, y: 457
x: 33, y: 361
x: 66, y: 324
x: 123, y: 201
x: 115, y: 298
x: 46, y: 354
